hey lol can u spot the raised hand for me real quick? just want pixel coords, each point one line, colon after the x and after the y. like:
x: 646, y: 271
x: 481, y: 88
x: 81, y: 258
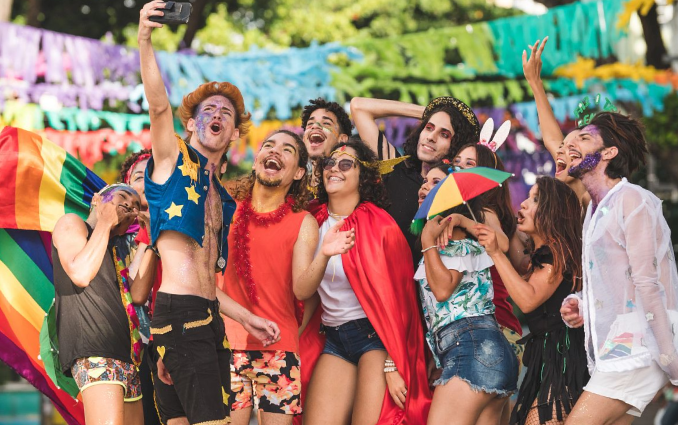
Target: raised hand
x: 146, y: 25
x: 262, y: 329
x: 532, y: 67
x: 337, y: 242
x: 107, y: 212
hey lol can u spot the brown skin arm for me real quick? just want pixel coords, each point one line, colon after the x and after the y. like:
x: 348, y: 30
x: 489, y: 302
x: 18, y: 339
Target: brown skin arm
x: 142, y: 280
x: 365, y: 111
x: 550, y: 129
x: 165, y: 149
x: 81, y: 258
x: 443, y: 282
x: 528, y: 295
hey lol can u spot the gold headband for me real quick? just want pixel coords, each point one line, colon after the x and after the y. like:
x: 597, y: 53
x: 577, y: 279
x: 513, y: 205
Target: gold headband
x: 457, y: 104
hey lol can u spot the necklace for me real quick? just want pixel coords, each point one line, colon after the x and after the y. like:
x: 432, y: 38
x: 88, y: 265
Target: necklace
x: 243, y: 266
x: 335, y: 216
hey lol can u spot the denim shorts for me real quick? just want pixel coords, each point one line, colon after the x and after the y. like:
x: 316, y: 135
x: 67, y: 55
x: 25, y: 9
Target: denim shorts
x: 351, y: 340
x: 475, y: 350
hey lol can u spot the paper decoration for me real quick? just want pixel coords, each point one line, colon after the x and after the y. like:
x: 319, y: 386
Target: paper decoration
x: 584, y: 69
x: 579, y: 29
x: 632, y: 6
x: 84, y: 72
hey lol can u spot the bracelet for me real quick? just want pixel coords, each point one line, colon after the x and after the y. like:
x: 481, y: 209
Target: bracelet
x: 390, y: 369
x: 430, y: 247
x: 390, y: 363
x: 154, y: 249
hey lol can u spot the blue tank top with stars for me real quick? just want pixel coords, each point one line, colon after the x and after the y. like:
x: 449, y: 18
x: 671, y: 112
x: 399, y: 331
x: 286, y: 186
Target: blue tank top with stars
x: 179, y: 203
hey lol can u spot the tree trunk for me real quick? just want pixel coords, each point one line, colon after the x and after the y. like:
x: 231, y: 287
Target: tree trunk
x: 196, y: 22
x: 34, y: 9
x: 656, y: 51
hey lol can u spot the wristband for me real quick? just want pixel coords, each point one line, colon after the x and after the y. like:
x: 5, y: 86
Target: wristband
x: 390, y: 369
x: 154, y: 249
x: 430, y: 247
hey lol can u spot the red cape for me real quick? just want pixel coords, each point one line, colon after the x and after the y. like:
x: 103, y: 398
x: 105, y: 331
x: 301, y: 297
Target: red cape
x: 385, y: 288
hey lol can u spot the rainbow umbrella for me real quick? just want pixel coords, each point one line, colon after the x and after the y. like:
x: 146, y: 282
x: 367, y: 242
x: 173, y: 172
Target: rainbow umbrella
x: 457, y: 188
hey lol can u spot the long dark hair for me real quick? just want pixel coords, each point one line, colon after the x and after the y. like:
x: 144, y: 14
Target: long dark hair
x: 299, y: 188
x: 463, y: 133
x: 497, y: 200
x: 370, y: 185
x: 558, y: 222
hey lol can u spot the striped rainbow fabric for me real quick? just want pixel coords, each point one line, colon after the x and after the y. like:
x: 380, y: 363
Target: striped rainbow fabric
x: 39, y: 183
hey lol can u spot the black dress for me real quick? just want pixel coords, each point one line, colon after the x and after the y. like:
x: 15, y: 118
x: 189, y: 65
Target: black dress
x: 555, y: 356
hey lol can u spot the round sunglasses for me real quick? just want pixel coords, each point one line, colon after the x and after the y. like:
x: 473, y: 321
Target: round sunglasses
x: 343, y: 164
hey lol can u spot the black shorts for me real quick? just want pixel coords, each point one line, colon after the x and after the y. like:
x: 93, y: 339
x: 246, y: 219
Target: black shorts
x: 188, y: 333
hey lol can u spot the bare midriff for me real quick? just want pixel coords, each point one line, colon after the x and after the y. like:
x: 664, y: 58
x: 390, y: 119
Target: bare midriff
x: 189, y: 269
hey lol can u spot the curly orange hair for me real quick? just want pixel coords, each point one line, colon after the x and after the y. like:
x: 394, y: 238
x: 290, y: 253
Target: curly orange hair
x: 187, y: 109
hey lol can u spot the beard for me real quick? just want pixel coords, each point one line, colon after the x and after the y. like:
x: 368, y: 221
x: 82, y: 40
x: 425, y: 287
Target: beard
x: 268, y: 182
x: 588, y: 164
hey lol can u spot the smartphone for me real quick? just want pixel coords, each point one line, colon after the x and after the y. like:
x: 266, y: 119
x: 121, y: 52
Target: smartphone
x: 175, y: 13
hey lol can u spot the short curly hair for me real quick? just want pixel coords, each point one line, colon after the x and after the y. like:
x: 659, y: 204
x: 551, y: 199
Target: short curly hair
x: 129, y: 163
x: 191, y: 101
x: 345, y: 126
x: 370, y: 184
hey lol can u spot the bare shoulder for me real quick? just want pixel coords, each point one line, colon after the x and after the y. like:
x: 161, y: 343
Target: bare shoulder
x: 69, y: 227
x: 308, y: 233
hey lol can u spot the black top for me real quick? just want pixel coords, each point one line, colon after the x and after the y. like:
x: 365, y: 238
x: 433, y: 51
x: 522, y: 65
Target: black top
x: 90, y: 321
x: 402, y: 185
x: 546, y: 317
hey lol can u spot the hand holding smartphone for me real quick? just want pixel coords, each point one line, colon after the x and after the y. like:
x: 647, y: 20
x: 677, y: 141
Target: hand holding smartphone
x: 174, y: 13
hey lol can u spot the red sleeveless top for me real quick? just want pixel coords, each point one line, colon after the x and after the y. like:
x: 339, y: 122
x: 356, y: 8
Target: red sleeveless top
x: 271, y: 250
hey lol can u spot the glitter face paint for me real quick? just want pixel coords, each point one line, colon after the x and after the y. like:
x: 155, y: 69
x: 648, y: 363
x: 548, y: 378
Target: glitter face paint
x: 589, y: 163
x: 211, y: 109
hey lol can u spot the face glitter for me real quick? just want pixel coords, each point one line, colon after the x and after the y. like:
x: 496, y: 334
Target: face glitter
x: 589, y: 163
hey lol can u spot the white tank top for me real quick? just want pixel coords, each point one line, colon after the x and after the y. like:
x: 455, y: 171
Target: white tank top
x: 340, y: 304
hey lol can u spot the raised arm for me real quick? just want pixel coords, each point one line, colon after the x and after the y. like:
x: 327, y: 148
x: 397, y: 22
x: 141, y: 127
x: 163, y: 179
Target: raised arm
x: 458, y: 220
x: 550, y: 129
x: 527, y: 294
x: 165, y: 149
x: 442, y: 281
x: 365, y: 111
x: 82, y: 258
x: 142, y: 271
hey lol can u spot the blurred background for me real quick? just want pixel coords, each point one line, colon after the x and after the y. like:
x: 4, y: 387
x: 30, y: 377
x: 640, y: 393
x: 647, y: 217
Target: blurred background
x: 69, y: 71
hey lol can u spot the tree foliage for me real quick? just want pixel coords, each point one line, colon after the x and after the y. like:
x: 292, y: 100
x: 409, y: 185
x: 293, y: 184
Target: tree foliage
x: 236, y: 25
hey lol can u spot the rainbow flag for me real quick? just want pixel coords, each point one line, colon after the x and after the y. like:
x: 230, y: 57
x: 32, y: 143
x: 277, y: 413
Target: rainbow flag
x: 40, y: 183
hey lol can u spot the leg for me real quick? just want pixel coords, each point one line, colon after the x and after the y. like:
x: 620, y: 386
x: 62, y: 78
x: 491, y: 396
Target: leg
x: 104, y: 404
x: 456, y: 403
x: 276, y: 419
x: 594, y: 409
x: 492, y: 413
x: 330, y: 393
x: 371, y: 387
x: 134, y: 413
x: 241, y: 388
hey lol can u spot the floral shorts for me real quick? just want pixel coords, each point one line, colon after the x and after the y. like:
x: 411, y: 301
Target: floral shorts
x: 101, y: 370
x: 273, y: 375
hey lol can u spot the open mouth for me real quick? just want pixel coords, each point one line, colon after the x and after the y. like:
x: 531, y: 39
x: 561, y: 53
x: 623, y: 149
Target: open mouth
x: 316, y: 139
x: 215, y: 127
x: 574, y: 154
x: 560, y: 166
x: 272, y: 164
x: 334, y: 179
x: 521, y: 218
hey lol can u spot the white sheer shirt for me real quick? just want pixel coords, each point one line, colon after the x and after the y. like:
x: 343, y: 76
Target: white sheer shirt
x: 630, y: 284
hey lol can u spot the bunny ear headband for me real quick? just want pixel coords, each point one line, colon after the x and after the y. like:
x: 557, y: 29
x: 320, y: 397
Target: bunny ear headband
x: 493, y: 143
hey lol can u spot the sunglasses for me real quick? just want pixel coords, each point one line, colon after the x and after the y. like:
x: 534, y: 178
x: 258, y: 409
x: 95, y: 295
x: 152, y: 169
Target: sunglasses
x: 343, y: 164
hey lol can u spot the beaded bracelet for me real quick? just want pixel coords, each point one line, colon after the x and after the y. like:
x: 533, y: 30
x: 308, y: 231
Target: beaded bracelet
x: 390, y: 369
